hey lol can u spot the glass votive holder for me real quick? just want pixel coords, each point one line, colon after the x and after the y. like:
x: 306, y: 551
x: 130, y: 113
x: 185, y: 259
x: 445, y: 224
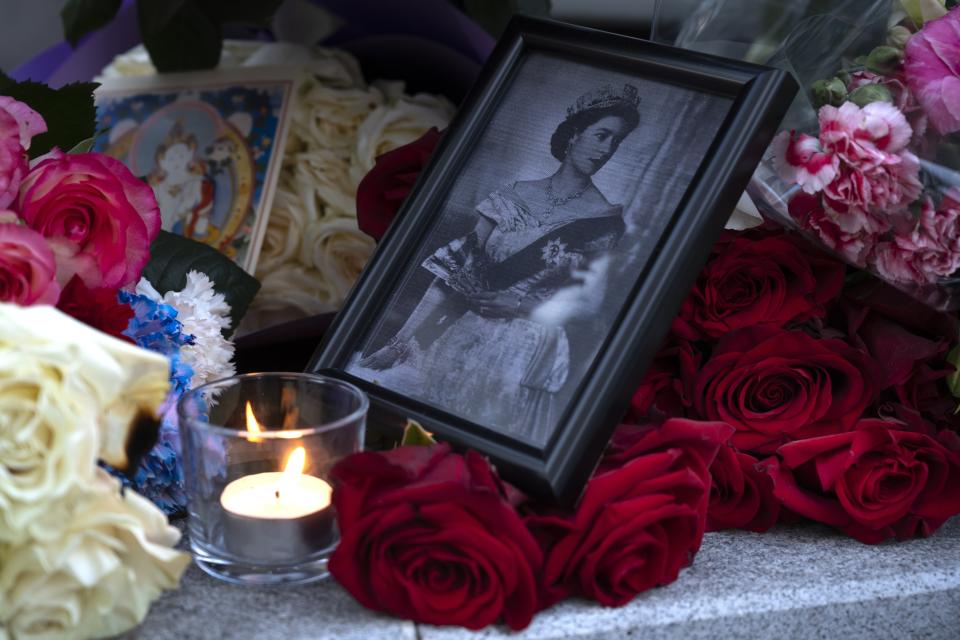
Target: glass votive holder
x: 257, y: 454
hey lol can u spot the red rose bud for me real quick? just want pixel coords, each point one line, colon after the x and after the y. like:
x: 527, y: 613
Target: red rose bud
x: 873, y: 483
x: 428, y: 535
x: 383, y: 190
x: 98, y: 308
x: 769, y: 281
x: 741, y: 494
x: 641, y: 518
x: 775, y: 386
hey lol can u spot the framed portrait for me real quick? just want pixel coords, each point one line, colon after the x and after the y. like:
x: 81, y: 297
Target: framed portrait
x: 210, y: 144
x: 543, y: 253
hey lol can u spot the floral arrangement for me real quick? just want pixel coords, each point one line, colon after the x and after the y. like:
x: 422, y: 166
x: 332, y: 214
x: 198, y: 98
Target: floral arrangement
x: 789, y: 389
x: 80, y: 232
x: 873, y: 183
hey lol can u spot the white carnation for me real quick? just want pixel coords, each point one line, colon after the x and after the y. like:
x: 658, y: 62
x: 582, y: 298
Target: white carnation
x: 205, y: 315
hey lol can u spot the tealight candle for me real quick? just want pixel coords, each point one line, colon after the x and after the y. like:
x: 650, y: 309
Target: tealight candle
x: 278, y: 516
x: 260, y: 506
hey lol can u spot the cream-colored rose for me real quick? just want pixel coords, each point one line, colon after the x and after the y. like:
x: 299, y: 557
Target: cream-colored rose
x: 288, y: 218
x: 68, y: 395
x: 328, y: 117
x: 338, y: 250
x: 325, y: 175
x: 95, y: 573
x: 395, y: 124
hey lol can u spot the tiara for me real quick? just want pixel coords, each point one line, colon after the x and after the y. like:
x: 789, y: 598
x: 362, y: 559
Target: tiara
x: 606, y: 96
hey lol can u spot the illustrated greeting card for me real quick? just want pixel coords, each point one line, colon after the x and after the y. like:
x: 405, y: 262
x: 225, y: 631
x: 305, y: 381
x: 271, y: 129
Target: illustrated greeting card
x: 210, y: 144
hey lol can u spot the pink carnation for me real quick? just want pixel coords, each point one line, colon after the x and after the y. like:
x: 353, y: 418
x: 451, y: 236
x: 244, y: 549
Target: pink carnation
x: 97, y: 216
x: 852, y: 234
x: 932, y: 65
x: 799, y: 160
x: 27, y: 265
x: 903, y: 98
x: 931, y: 249
x: 864, y: 138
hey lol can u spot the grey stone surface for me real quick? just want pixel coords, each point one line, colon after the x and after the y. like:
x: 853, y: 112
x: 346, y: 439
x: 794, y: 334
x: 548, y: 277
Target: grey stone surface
x: 793, y: 582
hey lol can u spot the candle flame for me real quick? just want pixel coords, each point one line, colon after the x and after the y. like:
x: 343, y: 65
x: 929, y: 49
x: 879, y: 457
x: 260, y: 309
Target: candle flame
x: 252, y: 425
x: 292, y: 471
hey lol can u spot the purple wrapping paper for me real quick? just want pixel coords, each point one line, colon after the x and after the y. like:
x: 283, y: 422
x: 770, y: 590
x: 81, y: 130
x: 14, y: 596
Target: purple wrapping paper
x: 426, y: 28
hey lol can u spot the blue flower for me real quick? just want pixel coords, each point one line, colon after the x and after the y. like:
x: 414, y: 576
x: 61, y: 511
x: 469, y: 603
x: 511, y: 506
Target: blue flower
x: 160, y: 474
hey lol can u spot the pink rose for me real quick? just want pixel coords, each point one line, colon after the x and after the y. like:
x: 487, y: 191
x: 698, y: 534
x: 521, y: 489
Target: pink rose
x: 98, y: 218
x: 799, y: 160
x: 932, y: 65
x: 27, y: 266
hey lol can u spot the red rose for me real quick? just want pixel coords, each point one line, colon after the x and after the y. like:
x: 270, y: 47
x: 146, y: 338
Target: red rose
x: 768, y: 281
x: 911, y: 360
x: 774, y: 386
x: 667, y: 386
x: 875, y: 482
x: 741, y: 494
x: 98, y: 308
x: 386, y: 186
x: 428, y: 535
x: 641, y: 518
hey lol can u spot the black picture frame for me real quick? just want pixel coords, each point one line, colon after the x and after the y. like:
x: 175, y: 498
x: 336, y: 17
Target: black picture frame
x: 558, y: 471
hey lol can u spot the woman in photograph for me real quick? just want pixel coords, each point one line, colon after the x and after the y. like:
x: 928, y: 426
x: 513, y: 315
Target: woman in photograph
x: 488, y: 339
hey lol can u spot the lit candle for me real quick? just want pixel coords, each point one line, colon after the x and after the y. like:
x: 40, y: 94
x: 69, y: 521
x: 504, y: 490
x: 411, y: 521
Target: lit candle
x: 278, y: 516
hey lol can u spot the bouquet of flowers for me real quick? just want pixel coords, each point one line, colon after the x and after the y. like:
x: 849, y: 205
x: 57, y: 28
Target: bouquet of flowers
x: 867, y: 163
x: 78, y: 556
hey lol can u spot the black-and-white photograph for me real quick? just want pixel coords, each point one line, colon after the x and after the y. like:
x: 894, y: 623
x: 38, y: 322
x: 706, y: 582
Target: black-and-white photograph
x: 547, y: 228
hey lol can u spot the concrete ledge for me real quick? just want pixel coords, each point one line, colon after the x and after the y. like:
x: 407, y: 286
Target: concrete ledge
x: 793, y: 582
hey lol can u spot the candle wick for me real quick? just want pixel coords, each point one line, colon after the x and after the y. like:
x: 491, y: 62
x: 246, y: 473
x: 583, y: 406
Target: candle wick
x: 277, y: 493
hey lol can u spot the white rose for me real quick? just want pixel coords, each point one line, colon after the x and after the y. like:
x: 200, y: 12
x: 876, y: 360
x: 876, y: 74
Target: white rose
x: 338, y: 250
x: 105, y: 559
x: 393, y: 125
x: 68, y: 395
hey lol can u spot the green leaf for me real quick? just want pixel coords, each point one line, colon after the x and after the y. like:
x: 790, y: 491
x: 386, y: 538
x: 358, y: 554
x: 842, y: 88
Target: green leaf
x: 69, y: 112
x: 416, y: 435
x: 172, y: 256
x: 953, y: 380
x: 922, y: 11
x: 179, y: 35
x: 84, y: 146
x: 81, y: 17
x: 493, y: 15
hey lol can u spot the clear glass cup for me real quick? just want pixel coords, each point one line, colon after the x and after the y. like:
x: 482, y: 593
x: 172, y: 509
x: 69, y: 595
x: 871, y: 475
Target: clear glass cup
x: 257, y: 454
